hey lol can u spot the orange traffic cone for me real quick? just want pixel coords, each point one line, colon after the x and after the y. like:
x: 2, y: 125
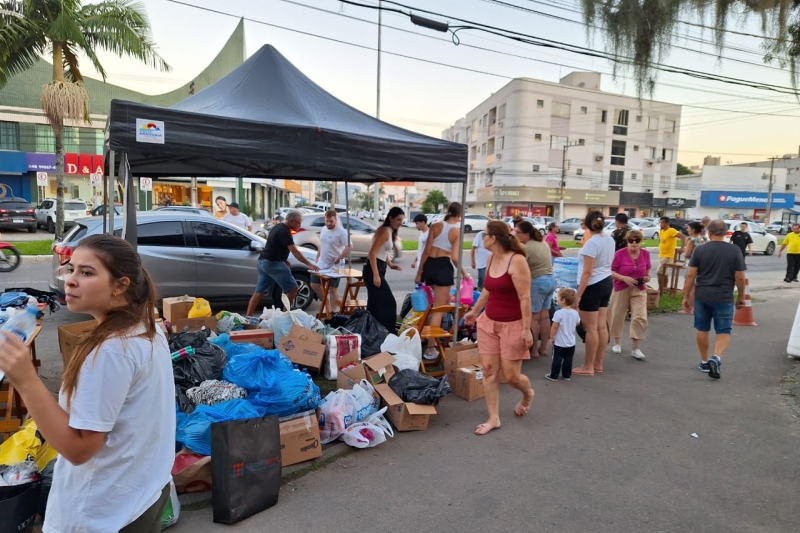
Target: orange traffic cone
x: 744, y: 316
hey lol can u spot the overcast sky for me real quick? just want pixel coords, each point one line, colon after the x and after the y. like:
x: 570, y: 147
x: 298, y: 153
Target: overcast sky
x: 427, y: 98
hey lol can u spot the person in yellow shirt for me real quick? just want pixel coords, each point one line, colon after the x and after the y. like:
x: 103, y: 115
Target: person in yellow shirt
x: 792, y: 241
x: 667, y: 245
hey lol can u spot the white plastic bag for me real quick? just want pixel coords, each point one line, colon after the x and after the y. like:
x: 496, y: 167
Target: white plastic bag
x: 377, y: 419
x: 337, y: 412
x: 365, y: 400
x: 172, y: 509
x: 407, y: 349
x: 363, y: 435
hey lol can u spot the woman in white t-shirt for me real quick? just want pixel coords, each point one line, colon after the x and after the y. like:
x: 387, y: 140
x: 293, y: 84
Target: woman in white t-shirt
x: 595, y: 286
x: 114, y: 423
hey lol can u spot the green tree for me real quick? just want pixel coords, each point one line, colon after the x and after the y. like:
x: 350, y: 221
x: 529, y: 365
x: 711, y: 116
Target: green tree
x: 61, y: 29
x: 644, y: 30
x: 364, y: 199
x: 683, y: 170
x: 433, y: 201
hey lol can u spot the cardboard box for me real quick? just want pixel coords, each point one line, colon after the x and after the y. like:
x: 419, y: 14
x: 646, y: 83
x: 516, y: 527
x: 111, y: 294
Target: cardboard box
x: 261, y: 337
x: 70, y: 335
x: 177, y: 308
x: 303, y: 347
x: 470, y: 383
x: 459, y: 356
x: 376, y: 369
x: 404, y: 416
x: 194, y: 324
x: 160, y: 324
x: 653, y: 298
x: 300, y: 440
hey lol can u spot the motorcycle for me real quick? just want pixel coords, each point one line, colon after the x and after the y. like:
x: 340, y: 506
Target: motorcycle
x: 9, y: 257
x: 268, y: 225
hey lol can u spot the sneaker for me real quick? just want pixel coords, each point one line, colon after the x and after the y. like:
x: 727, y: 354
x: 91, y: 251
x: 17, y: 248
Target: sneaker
x: 565, y: 379
x: 616, y: 349
x: 637, y: 354
x: 787, y: 280
x: 551, y: 378
x: 714, y: 365
x: 703, y: 367
x: 431, y: 354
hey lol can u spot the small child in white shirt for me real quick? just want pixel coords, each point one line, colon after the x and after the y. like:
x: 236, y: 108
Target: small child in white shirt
x: 562, y: 335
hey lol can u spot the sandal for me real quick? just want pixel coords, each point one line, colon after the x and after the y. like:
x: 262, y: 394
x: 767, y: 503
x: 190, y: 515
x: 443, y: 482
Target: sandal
x: 582, y: 372
x: 485, y: 428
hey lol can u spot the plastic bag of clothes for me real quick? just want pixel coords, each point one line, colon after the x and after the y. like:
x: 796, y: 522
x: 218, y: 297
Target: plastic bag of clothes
x: 372, y: 332
x: 370, y: 432
x: 206, y: 363
x: 416, y: 387
x: 214, y: 391
x: 257, y: 369
x: 337, y: 412
x: 280, y: 325
x: 227, y: 321
x: 18, y: 474
x: 293, y: 392
x: 194, y: 431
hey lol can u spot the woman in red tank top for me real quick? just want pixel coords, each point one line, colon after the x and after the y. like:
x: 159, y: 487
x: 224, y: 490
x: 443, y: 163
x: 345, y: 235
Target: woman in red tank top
x: 504, y: 330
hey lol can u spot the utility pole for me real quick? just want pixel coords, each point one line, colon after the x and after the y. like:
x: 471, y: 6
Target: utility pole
x: 563, y: 184
x: 769, y: 190
x: 375, y: 198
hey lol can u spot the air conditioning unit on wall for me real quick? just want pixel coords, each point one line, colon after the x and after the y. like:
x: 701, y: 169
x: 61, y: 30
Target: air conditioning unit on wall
x: 500, y: 124
x: 499, y: 156
x: 598, y: 158
x: 659, y: 160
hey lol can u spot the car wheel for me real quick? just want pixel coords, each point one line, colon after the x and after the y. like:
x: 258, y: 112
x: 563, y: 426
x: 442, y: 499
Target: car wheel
x: 770, y: 249
x: 467, y: 229
x: 543, y: 232
x: 305, y: 295
x: 51, y: 227
x: 32, y: 229
x: 309, y: 246
x: 655, y: 236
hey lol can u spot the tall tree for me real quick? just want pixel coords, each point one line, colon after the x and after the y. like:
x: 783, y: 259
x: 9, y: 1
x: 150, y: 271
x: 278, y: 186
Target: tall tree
x: 433, y: 201
x: 62, y: 29
x: 640, y: 32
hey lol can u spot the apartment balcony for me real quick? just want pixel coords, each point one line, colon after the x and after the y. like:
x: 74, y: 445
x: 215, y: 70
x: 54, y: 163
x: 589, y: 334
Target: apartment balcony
x: 492, y: 129
x: 490, y: 159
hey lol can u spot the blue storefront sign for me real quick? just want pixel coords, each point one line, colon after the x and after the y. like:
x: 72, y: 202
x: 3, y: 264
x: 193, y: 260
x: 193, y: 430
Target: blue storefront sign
x: 41, y: 162
x: 13, y: 162
x: 745, y: 200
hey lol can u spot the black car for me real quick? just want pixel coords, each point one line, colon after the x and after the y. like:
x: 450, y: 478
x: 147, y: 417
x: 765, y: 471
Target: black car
x: 17, y: 213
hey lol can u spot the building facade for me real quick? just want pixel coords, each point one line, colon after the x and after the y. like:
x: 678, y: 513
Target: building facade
x: 790, y: 162
x: 614, y: 153
x: 27, y: 143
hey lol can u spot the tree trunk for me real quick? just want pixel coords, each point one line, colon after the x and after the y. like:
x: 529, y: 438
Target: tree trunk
x: 60, y: 185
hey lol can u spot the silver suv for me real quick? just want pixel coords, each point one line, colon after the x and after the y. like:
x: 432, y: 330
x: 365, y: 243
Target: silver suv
x: 191, y: 254
x: 360, y: 235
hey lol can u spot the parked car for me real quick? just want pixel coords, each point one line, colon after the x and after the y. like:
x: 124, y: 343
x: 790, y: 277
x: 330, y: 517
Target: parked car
x: 475, y: 223
x: 307, y: 236
x: 186, y: 209
x: 648, y: 228
x: 100, y: 210
x: 778, y: 227
x: 187, y: 253
x: 569, y: 225
x: 17, y: 213
x: 763, y: 242
x: 434, y: 217
x: 73, y: 210
x: 408, y: 221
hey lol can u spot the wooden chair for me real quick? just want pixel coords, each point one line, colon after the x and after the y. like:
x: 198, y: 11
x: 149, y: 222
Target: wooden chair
x: 674, y: 274
x: 350, y: 301
x: 436, y: 334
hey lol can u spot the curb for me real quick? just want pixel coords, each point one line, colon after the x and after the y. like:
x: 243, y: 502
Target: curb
x: 37, y: 258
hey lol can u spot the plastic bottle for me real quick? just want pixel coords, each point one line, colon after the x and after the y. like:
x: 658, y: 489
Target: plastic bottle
x: 419, y: 299
x: 341, y: 265
x: 23, y: 324
x: 4, y: 315
x: 295, y: 367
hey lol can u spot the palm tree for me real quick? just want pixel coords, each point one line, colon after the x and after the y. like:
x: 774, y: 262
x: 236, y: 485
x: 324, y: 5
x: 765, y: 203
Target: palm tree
x: 31, y: 29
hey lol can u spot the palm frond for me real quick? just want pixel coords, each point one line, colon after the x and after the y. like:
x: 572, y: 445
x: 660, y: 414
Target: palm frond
x: 21, y: 40
x: 72, y: 70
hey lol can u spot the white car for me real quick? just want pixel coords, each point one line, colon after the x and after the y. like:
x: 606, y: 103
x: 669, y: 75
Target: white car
x: 475, y: 223
x: 73, y: 210
x: 648, y: 228
x: 763, y: 242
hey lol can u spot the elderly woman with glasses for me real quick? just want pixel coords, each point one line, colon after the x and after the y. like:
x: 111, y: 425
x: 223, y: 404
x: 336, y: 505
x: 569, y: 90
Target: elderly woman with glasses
x: 630, y: 271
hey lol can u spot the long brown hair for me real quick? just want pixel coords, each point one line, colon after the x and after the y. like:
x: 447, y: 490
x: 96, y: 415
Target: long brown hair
x: 453, y: 211
x: 528, y: 229
x: 121, y: 260
x: 499, y: 230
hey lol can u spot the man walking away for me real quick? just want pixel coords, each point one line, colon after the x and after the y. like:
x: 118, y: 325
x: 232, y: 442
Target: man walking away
x: 667, y: 244
x: 273, y: 263
x: 480, y: 256
x: 421, y: 223
x: 622, y: 230
x: 743, y: 241
x: 714, y: 269
x: 792, y: 241
x: 334, y: 247
x: 237, y: 218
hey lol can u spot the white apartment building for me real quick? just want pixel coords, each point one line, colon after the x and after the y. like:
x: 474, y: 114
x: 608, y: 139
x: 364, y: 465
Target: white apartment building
x: 791, y: 162
x: 621, y: 153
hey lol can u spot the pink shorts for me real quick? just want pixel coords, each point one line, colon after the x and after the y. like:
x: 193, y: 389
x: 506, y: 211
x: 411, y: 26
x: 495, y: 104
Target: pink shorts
x: 503, y: 338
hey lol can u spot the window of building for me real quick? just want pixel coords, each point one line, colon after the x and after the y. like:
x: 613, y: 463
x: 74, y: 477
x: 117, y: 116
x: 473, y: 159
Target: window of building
x: 480, y: 123
x: 647, y: 180
x: 473, y: 152
x: 72, y: 143
x: 579, y: 172
x: 490, y: 146
x: 45, y: 138
x: 493, y: 116
x: 469, y: 132
x: 618, y: 152
x: 669, y: 126
x: 9, y: 135
x: 615, y: 179
x: 665, y: 182
x: 652, y: 123
x: 557, y: 142
x: 483, y: 148
x: 633, y: 176
x: 214, y: 235
x: 560, y: 109
x: 537, y: 136
x: 666, y: 154
x: 635, y: 147
x: 650, y: 152
x: 474, y: 131
x: 599, y: 147
x: 536, y: 168
x: 584, y: 110
x: 161, y: 234
x: 501, y: 112
x: 603, y: 116
x: 501, y: 143
x: 581, y: 142
x: 486, y: 120
x: 621, y: 124
x: 638, y: 118
x: 455, y: 139
x: 539, y: 103
x: 99, y: 139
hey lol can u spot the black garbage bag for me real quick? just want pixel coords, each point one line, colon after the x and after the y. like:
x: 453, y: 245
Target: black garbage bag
x: 372, y: 332
x: 47, y: 484
x: 207, y: 362
x: 337, y: 321
x: 18, y: 505
x: 416, y: 387
x: 184, y: 403
x: 406, y: 307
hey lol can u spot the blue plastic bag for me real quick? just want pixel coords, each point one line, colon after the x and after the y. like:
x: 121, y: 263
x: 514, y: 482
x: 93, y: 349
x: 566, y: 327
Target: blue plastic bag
x: 293, y: 393
x: 194, y: 431
x: 256, y: 369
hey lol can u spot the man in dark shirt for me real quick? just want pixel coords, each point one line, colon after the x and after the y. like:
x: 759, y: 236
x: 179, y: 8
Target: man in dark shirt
x: 622, y: 229
x: 743, y: 240
x: 714, y: 269
x: 273, y: 264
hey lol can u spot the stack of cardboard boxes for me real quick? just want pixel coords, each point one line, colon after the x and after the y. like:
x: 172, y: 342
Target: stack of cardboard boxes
x: 462, y: 364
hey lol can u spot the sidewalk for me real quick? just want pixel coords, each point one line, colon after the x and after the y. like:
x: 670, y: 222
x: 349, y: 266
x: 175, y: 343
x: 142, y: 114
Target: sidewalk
x: 612, y: 453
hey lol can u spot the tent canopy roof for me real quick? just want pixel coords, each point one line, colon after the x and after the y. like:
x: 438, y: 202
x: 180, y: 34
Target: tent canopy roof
x: 267, y: 119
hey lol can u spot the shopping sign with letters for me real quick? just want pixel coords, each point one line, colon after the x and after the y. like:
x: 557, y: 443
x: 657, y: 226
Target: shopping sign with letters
x: 73, y: 163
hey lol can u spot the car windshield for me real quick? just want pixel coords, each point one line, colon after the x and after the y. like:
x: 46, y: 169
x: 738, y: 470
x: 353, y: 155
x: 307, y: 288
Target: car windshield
x: 15, y: 205
x: 75, y: 205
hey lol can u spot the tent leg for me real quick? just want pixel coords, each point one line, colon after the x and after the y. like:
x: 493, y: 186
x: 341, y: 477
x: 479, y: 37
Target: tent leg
x: 105, y: 202
x: 111, y: 189
x: 347, y: 218
x: 460, y: 261
x: 194, y: 192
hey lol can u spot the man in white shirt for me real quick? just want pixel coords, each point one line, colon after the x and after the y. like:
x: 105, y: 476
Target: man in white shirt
x: 421, y: 223
x: 333, y: 248
x: 238, y: 218
x: 480, y: 255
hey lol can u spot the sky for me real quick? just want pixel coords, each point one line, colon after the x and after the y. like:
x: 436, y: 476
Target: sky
x: 427, y: 97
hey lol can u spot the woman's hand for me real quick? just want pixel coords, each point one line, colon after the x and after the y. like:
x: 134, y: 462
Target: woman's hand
x: 629, y: 281
x: 470, y: 317
x: 418, y: 279
x: 576, y: 302
x: 377, y: 282
x: 466, y: 275
x: 527, y: 338
x: 15, y: 359
x: 646, y: 278
x: 395, y: 267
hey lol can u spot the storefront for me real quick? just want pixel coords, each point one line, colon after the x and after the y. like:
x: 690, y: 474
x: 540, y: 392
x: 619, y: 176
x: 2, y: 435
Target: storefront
x: 744, y: 205
x: 633, y: 204
x: 543, y: 201
x: 14, y: 177
x: 77, y: 171
x: 672, y: 207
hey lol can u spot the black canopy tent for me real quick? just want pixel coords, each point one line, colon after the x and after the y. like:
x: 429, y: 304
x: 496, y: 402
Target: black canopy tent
x: 267, y: 119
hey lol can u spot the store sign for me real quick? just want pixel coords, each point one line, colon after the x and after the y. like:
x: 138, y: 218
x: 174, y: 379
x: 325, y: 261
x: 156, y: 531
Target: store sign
x: 149, y: 131
x: 547, y: 195
x: 756, y: 200
x: 73, y: 163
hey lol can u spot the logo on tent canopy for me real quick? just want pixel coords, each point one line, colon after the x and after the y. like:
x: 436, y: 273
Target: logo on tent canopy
x: 149, y: 131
